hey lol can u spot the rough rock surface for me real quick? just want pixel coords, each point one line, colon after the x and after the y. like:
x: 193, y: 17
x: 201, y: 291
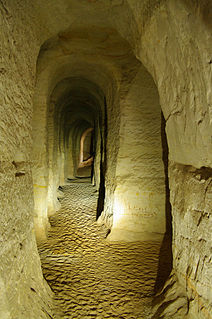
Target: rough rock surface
x: 90, y: 277
x: 191, y: 198
x: 171, y: 301
x: 22, y: 287
x: 173, y: 40
x: 139, y: 168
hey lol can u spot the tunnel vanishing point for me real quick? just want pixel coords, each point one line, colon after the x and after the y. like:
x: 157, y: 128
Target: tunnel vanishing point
x: 120, y: 92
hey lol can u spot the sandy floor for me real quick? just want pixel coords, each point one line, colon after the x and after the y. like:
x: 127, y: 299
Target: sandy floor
x: 90, y: 277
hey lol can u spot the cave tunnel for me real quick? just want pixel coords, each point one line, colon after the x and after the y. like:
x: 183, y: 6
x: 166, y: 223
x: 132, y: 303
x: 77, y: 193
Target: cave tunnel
x: 117, y: 102
x: 106, y: 159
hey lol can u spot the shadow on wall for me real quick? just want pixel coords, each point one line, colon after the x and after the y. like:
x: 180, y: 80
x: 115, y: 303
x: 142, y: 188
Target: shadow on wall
x: 103, y: 165
x: 165, y: 256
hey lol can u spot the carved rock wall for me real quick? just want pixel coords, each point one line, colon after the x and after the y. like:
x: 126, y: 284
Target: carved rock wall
x: 173, y: 40
x: 178, y: 56
x: 191, y: 198
x: 23, y: 291
x: 139, y: 195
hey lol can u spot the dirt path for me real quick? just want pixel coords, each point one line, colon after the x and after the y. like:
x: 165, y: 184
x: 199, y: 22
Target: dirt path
x: 90, y: 277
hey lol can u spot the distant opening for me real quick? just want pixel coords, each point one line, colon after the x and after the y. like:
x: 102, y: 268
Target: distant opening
x: 86, y: 148
x: 86, y: 154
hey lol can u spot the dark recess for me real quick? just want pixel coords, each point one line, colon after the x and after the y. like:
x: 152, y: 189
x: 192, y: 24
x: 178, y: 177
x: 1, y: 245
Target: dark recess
x: 103, y: 165
x: 165, y: 257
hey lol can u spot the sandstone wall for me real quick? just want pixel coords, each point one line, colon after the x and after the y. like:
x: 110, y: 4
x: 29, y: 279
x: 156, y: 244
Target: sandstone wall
x: 191, y: 198
x: 139, y: 195
x: 176, y: 47
x: 23, y: 292
x: 178, y: 57
x: 173, y: 41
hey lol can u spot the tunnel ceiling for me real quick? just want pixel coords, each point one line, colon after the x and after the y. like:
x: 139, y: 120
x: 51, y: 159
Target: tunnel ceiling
x: 81, y: 66
x: 97, y: 55
x: 77, y: 104
x: 77, y: 96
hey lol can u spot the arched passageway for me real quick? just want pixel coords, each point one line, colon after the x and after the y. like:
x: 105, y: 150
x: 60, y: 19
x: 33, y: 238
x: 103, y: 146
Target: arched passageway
x: 114, y: 96
x: 126, y: 116
x: 112, y: 65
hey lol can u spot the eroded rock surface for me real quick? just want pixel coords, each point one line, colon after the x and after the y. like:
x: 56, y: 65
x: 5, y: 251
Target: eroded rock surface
x: 191, y: 198
x: 90, y: 277
x: 173, y: 40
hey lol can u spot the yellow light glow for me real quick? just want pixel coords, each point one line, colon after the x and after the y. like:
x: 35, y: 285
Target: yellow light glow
x: 118, y: 212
